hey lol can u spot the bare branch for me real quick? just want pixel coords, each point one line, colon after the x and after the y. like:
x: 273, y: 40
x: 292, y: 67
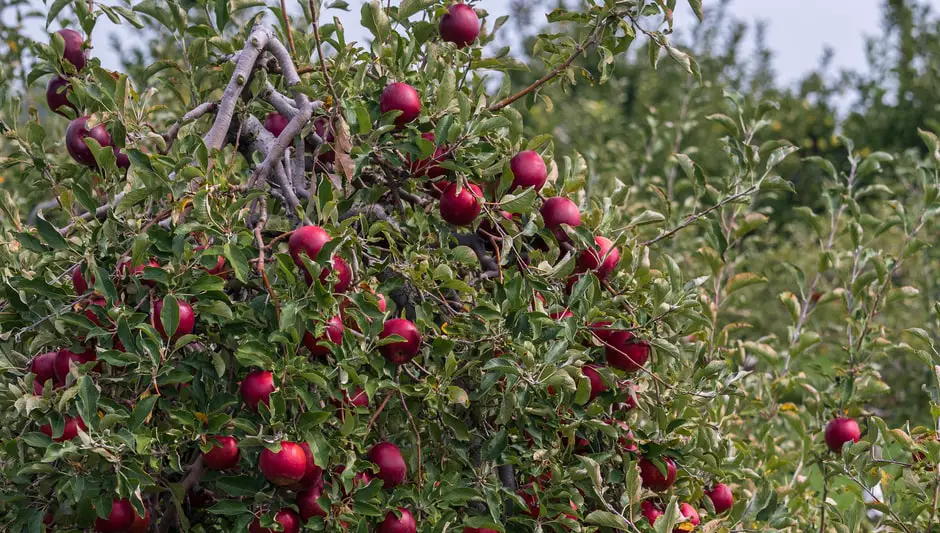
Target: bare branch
x: 194, y: 114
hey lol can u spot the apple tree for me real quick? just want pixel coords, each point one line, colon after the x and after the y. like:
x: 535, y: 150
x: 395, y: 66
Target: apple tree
x: 275, y: 280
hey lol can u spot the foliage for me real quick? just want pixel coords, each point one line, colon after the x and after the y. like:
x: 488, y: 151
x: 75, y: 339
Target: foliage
x: 768, y: 313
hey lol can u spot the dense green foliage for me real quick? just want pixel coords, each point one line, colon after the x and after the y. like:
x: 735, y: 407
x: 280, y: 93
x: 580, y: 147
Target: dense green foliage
x: 778, y: 273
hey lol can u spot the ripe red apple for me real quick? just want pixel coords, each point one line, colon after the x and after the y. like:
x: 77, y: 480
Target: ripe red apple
x: 91, y: 314
x: 141, y: 524
x: 256, y: 388
x: 288, y: 519
x: 275, y: 123
x: 597, y: 382
x: 559, y: 210
x: 307, y: 240
x: 125, y: 269
x: 721, y: 497
x: 78, y: 280
x: 533, y: 508
x: 119, y: 520
x: 689, y: 512
x: 343, y: 274
x: 460, y: 25
x: 64, y: 357
x: 224, y: 453
x: 591, y: 259
x: 841, y: 430
x: 327, y: 155
x: 219, y: 268
x: 392, y: 467
x: 121, y: 159
x: 360, y: 479
x: 285, y: 467
x: 461, y: 207
x: 431, y: 166
x: 400, y: 352
x: 313, y: 474
x: 333, y: 334
x: 394, y: 524
x: 74, y: 48
x: 359, y: 398
x: 75, y: 135
x: 400, y: 97
x: 528, y: 170
x: 186, y: 323
x: 625, y: 352
x: 43, y: 365
x: 561, y: 315
x: 650, y: 511
x: 69, y: 432
x: 57, y: 90
x: 627, y: 440
x: 308, y: 504
x: 653, y: 479
x: 628, y: 396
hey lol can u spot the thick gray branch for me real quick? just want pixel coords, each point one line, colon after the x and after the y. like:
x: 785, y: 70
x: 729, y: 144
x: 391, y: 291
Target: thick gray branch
x: 195, y: 113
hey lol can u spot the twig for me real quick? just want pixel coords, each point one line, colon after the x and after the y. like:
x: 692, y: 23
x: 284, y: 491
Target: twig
x: 194, y: 114
x: 377, y: 412
x: 590, y: 41
x: 259, y: 266
x: 101, y: 212
x: 287, y: 30
x: 316, y: 37
x: 691, y: 219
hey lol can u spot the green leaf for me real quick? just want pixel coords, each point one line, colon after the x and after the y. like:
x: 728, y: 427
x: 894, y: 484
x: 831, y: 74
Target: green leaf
x: 170, y: 315
x: 88, y: 394
x: 696, y: 6
x: 375, y: 19
x: 647, y: 217
x: 741, y: 280
x: 607, y: 519
x: 141, y: 412
x: 50, y: 235
x: 521, y: 202
x: 238, y: 261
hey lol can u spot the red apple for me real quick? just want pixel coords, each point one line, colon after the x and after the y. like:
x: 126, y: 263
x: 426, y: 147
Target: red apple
x: 125, y: 269
x: 559, y: 210
x: 360, y: 479
x: 186, y: 323
x: 62, y: 360
x: 323, y: 128
x: 561, y: 315
x: 400, y: 352
x: 313, y: 474
x: 653, y: 479
x: 627, y: 440
x: 533, y: 508
x: 121, y: 159
x: 141, y: 524
x: 308, y: 504
x: 359, y: 398
x: 74, y: 48
x: 333, y: 334
x: 90, y: 314
x: 219, y: 268
x: 285, y: 467
x: 256, y: 388
x: 650, y: 511
x: 460, y: 25
x: 597, y: 382
x: 528, y: 170
x: 119, y: 520
x: 392, y: 467
x: 401, y: 97
x: 689, y: 512
x: 591, y: 259
x: 78, y: 280
x: 57, y: 90
x: 625, y: 352
x: 75, y: 135
x: 69, y: 432
x: 307, y: 240
x: 288, y: 519
x: 841, y: 430
x: 627, y: 395
x: 721, y: 497
x: 224, y: 453
x: 431, y: 166
x: 43, y: 365
x: 394, y: 524
x: 460, y: 205
x: 275, y: 123
x: 343, y: 274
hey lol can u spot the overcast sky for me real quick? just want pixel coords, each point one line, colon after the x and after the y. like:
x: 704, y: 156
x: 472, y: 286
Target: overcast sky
x: 797, y: 33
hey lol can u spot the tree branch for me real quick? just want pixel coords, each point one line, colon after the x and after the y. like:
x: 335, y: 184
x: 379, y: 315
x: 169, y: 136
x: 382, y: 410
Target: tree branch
x: 691, y: 219
x: 194, y: 114
x: 189, y: 482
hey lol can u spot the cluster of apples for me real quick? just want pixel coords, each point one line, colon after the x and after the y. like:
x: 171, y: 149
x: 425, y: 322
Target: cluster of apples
x: 57, y: 90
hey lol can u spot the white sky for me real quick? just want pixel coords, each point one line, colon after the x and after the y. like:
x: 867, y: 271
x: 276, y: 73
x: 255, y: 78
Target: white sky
x: 797, y: 33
